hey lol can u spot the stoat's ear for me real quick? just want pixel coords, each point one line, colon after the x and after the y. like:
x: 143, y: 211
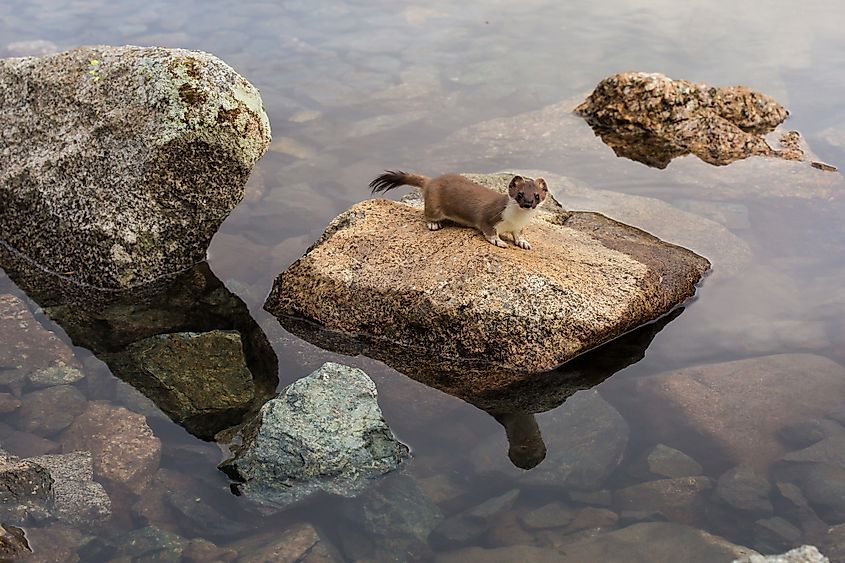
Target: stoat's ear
x: 541, y: 183
x: 516, y: 182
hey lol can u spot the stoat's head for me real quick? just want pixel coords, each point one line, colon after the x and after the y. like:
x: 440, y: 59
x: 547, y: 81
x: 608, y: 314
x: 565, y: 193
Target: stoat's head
x: 528, y: 193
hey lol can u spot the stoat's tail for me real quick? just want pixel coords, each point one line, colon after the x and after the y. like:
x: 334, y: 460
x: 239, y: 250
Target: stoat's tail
x: 395, y: 178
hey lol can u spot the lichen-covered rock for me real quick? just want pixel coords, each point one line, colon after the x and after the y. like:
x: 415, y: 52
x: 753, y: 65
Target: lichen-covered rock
x: 377, y: 271
x: 119, y: 163
x: 652, y: 119
x: 324, y: 432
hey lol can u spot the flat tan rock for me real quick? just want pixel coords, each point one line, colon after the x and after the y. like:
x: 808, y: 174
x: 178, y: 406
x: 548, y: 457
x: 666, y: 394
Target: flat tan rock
x: 378, y: 271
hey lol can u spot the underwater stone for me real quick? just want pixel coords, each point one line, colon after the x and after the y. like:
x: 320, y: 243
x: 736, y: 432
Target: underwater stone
x: 77, y: 498
x: 123, y: 446
x: 119, y: 163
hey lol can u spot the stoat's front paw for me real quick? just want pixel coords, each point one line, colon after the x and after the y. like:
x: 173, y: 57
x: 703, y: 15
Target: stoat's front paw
x: 433, y: 225
x: 498, y: 242
x: 522, y: 243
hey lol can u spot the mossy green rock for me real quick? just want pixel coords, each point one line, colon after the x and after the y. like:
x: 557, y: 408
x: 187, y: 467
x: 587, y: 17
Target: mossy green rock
x: 119, y: 163
x: 195, y: 378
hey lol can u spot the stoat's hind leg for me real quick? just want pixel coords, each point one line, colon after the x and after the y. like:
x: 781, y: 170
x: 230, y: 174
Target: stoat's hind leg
x: 433, y: 217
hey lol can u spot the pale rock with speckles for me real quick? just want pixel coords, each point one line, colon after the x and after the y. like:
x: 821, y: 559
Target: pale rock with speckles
x: 118, y: 164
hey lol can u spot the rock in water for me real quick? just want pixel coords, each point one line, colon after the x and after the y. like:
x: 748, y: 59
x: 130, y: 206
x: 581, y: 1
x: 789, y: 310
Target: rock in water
x: 803, y: 554
x: 652, y: 119
x: 78, y: 499
x: 119, y: 163
x: 325, y: 432
x: 378, y: 272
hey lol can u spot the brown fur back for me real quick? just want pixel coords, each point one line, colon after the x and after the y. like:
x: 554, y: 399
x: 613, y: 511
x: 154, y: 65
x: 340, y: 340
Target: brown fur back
x: 458, y: 199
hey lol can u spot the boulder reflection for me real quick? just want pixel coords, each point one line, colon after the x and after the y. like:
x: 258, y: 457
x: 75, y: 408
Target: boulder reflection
x: 512, y: 398
x: 186, y: 342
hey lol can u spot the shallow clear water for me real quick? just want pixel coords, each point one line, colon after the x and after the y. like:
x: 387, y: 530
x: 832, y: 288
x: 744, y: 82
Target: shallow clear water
x: 356, y: 87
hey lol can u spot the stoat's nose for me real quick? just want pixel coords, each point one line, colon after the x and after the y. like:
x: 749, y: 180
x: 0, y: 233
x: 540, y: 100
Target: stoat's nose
x: 526, y: 205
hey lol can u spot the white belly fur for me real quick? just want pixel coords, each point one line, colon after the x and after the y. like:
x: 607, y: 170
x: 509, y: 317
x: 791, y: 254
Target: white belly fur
x: 514, y: 218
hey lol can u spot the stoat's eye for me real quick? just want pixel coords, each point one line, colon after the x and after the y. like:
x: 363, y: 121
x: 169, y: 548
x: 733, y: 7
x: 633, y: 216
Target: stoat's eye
x: 536, y: 197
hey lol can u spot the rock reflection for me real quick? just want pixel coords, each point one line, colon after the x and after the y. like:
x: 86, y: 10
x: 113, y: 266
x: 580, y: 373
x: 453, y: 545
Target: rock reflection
x: 186, y: 342
x: 511, y: 398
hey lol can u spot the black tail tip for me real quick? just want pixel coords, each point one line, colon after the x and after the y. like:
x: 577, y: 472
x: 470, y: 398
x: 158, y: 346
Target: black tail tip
x: 387, y: 181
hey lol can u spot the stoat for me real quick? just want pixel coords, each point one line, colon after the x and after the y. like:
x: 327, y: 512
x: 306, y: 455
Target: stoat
x: 454, y: 198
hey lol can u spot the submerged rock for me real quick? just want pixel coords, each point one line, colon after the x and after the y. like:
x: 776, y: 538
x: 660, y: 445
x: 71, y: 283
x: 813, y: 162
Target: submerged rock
x: 324, y: 432
x: 680, y: 500
x: 744, y: 489
x: 397, y: 518
x: 301, y: 542
x: 77, y: 498
x: 13, y: 543
x: 186, y: 342
x: 735, y: 409
x: 191, y: 376
x: 471, y: 523
x: 587, y: 280
x: 652, y: 119
x: 120, y: 163
x: 23, y: 481
x: 123, y: 446
x: 669, y: 462
x: 27, y: 346
x: 586, y: 439
x: 50, y: 410
x: 655, y: 541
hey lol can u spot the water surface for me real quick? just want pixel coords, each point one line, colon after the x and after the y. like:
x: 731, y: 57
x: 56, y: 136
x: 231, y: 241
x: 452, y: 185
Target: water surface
x: 353, y: 88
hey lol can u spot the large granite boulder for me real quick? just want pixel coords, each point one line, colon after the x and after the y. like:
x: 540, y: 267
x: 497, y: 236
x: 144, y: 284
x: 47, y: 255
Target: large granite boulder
x: 324, y: 432
x: 378, y: 271
x: 120, y: 163
x: 653, y: 119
